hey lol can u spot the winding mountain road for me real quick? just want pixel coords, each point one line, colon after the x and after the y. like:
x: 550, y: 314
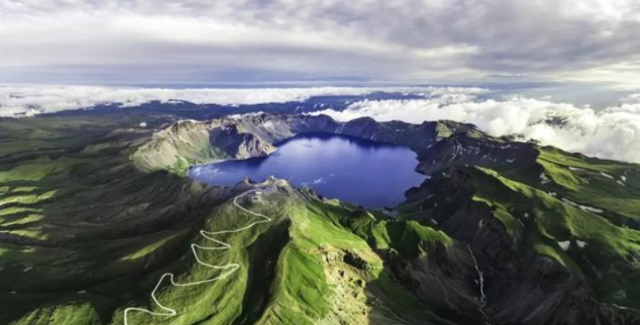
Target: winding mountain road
x: 228, y: 269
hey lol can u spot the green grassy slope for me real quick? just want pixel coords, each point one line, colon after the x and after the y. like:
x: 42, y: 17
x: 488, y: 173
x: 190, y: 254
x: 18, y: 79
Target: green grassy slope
x: 84, y: 234
x: 186, y: 143
x: 314, y: 271
x: 79, y: 223
x: 88, y: 228
x: 577, y: 211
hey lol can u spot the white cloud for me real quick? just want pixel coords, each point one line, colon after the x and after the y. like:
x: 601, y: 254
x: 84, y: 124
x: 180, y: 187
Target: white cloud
x: 403, y: 40
x: 612, y: 133
x: 630, y: 100
x: 18, y: 101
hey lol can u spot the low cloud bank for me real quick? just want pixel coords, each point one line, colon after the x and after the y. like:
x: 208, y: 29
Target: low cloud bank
x: 631, y: 99
x: 20, y: 101
x: 612, y: 133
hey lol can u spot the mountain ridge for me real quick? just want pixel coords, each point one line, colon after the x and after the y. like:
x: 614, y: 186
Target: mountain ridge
x: 197, y: 141
x: 502, y: 232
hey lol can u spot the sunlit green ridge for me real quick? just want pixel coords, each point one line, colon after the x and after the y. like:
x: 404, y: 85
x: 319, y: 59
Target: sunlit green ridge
x: 92, y: 214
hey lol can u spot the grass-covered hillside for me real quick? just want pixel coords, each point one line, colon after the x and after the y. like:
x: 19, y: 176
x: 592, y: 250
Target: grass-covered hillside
x: 99, y: 226
x: 559, y: 236
x: 79, y: 224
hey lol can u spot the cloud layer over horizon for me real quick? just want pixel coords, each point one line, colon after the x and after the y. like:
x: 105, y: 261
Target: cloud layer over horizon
x: 26, y: 101
x: 611, y: 133
x: 581, y: 51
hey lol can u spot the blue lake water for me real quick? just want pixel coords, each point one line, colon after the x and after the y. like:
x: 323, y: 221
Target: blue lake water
x: 359, y: 171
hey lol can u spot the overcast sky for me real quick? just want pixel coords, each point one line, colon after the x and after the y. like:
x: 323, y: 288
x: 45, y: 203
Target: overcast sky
x: 321, y: 41
x: 530, y: 60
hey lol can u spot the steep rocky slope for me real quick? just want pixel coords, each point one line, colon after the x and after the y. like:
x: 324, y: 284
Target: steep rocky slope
x: 93, y: 212
x: 557, y: 239
x: 189, y: 142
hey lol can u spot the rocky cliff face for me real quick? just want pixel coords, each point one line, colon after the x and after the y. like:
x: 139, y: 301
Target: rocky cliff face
x: 511, y: 208
x: 237, y: 144
x: 418, y: 137
x: 501, y: 232
x: 544, y: 257
x: 461, y: 149
x: 186, y: 143
x: 189, y: 142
